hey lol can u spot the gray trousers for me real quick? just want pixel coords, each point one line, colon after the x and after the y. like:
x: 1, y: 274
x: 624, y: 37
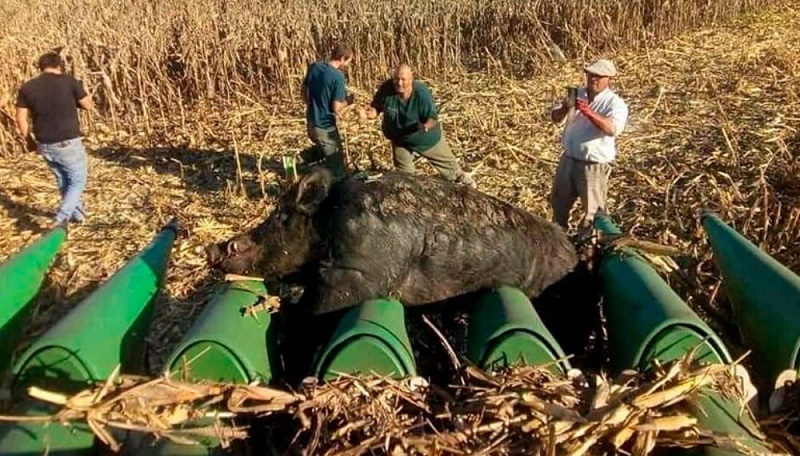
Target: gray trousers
x: 439, y: 156
x: 579, y: 179
x: 327, y: 146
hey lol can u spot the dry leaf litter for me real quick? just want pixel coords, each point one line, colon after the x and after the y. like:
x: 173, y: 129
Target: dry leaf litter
x: 517, y: 410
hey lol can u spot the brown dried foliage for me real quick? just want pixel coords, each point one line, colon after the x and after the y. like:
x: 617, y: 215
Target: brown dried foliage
x: 521, y: 410
x: 145, y: 59
x: 783, y: 425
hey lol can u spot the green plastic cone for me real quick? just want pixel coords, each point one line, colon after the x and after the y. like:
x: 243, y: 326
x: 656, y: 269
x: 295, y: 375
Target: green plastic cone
x: 105, y: 330
x: 765, y: 296
x: 370, y: 338
x: 21, y: 277
x: 648, y: 321
x: 505, y: 329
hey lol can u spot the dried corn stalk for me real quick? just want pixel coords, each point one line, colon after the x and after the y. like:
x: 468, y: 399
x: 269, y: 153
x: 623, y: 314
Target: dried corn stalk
x: 520, y: 410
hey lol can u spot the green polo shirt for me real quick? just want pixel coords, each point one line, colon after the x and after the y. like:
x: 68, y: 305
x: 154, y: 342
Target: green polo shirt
x: 325, y: 84
x: 401, y: 119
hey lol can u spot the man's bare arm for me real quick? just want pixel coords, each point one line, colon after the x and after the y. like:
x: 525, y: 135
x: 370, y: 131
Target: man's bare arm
x: 338, y: 106
x: 605, y: 124
x: 23, y: 127
x: 304, y: 91
x: 86, y: 103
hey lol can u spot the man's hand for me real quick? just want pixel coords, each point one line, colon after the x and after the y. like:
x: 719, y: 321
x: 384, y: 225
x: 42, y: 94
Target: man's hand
x: 427, y: 125
x: 86, y: 103
x: 571, y: 98
x: 27, y: 140
x: 605, y: 124
x: 367, y: 113
x: 583, y: 107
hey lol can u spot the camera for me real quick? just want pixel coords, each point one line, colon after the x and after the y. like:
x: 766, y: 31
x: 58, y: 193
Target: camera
x: 572, y: 96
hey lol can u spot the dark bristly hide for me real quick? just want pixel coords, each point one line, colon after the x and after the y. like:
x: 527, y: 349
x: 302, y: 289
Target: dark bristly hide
x: 417, y: 238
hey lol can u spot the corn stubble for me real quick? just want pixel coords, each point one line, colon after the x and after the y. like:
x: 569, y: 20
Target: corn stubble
x: 519, y: 410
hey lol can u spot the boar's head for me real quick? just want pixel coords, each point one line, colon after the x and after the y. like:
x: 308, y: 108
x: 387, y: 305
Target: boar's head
x: 285, y: 241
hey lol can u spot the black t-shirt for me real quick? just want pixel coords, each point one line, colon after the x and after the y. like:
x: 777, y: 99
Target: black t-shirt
x: 53, y: 102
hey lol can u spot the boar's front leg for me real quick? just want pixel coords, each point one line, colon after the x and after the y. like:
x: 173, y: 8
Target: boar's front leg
x: 310, y: 323
x: 340, y: 288
x: 304, y: 334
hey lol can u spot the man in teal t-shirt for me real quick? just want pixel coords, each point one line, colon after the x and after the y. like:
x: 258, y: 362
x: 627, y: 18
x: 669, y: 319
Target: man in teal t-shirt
x: 325, y: 96
x: 410, y: 122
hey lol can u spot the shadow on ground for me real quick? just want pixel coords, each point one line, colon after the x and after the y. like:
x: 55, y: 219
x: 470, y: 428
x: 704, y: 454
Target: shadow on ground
x: 200, y: 170
x: 23, y: 214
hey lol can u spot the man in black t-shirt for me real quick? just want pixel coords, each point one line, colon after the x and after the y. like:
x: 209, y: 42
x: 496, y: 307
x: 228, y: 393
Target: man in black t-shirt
x: 52, y: 99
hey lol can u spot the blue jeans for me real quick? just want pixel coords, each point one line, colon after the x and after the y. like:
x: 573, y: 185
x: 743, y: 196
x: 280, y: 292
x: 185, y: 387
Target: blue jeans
x: 67, y: 160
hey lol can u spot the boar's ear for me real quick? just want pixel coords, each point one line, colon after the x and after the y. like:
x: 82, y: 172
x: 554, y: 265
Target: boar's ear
x: 312, y: 190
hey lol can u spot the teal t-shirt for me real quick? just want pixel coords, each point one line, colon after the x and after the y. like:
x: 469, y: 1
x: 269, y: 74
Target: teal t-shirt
x: 324, y: 84
x: 401, y: 119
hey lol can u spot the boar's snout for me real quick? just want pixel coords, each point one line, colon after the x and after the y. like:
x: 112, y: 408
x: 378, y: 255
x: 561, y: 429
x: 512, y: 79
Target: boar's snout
x: 239, y: 255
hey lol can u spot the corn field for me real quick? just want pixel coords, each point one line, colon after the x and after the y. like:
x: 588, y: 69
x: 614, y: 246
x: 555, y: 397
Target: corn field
x: 149, y: 59
x: 198, y: 102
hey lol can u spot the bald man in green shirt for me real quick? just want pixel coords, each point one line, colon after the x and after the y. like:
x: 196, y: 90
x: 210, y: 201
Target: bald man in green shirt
x: 410, y: 122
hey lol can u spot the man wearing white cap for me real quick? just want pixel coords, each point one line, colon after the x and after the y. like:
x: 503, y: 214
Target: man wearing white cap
x: 595, y: 117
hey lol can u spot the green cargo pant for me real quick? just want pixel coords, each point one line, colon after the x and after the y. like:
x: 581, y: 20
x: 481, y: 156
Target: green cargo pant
x: 327, y: 146
x: 579, y: 179
x: 439, y: 156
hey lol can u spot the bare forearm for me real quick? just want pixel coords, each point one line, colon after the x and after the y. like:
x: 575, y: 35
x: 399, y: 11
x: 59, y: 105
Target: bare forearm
x: 371, y: 112
x: 338, y: 108
x: 605, y: 124
x: 24, y: 129
x: 86, y: 103
x: 22, y: 123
